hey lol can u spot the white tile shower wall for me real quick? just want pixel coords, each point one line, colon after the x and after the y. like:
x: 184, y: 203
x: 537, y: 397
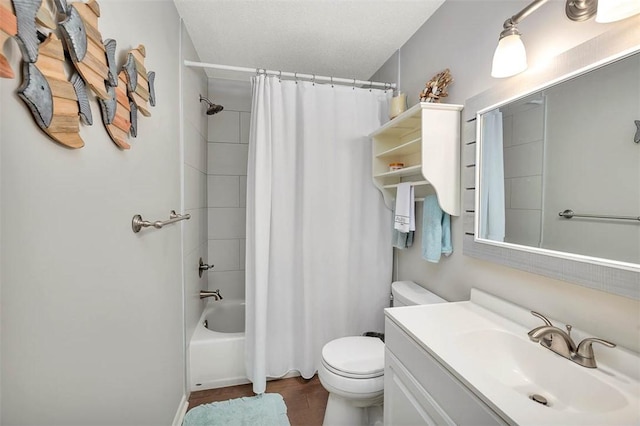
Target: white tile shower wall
x: 523, y: 132
x: 194, y: 84
x: 228, y: 138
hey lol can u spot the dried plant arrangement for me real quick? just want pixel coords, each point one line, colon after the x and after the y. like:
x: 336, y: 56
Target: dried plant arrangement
x: 436, y: 88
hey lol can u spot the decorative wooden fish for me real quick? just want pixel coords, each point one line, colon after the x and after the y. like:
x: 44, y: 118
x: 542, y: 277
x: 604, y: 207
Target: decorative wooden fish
x: 115, y: 113
x: 27, y: 36
x: 85, y: 45
x: 134, y: 119
x: 8, y: 29
x: 138, y: 79
x: 151, y: 78
x: 51, y: 98
x: 83, y: 100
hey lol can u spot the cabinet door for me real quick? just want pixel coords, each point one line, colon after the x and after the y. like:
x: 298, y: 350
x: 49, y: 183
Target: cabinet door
x: 406, y: 402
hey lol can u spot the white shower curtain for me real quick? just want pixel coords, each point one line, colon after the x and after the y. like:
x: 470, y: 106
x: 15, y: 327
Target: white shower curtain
x: 319, y: 254
x: 492, y: 204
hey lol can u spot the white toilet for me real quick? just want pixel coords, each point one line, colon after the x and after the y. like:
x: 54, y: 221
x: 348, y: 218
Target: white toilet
x: 352, y: 368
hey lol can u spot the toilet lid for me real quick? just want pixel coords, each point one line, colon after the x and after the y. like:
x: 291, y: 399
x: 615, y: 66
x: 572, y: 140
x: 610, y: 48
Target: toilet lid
x: 355, y: 356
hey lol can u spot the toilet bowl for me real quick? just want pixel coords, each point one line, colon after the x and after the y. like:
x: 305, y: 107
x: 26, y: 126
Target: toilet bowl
x: 352, y: 368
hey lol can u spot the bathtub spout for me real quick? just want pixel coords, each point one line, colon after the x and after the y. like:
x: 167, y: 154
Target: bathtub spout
x: 214, y: 294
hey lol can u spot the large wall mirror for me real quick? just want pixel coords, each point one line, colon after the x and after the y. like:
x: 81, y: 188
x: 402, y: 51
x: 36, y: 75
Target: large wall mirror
x: 558, y: 168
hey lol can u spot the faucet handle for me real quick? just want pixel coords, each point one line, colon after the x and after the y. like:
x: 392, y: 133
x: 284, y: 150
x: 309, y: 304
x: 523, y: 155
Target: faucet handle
x: 584, y: 354
x: 585, y: 348
x: 542, y: 317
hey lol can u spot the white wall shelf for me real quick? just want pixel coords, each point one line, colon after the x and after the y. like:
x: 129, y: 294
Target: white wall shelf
x: 426, y: 138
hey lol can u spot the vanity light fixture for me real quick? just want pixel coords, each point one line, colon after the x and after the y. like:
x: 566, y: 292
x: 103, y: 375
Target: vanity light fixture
x: 616, y: 10
x: 510, y: 57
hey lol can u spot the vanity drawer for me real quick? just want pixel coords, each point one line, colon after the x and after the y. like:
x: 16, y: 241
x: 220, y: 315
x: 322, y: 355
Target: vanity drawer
x: 460, y: 404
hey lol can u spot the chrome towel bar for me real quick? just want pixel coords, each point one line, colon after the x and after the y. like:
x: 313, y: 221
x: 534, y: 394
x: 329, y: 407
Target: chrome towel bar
x: 137, y: 223
x: 568, y: 214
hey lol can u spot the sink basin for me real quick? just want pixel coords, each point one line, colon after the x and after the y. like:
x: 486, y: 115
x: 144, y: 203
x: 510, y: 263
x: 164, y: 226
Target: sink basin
x: 528, y: 368
x: 479, y: 344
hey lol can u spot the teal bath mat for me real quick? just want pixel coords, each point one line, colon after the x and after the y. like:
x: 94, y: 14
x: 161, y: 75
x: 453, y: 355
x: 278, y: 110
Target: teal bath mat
x: 263, y: 410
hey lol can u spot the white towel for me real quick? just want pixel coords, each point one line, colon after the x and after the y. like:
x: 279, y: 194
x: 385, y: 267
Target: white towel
x: 405, y: 218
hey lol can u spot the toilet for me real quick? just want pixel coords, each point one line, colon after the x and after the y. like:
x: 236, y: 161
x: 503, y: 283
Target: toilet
x: 352, y: 368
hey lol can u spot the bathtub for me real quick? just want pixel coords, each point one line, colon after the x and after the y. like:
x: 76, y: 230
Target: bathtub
x: 216, y: 352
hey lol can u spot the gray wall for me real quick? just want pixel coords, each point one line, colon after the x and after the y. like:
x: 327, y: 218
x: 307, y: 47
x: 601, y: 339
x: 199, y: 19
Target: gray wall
x: 227, y: 185
x: 92, y: 314
x: 462, y: 36
x: 194, y: 84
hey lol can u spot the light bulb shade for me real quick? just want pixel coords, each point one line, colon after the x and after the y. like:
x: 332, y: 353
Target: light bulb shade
x: 616, y: 10
x: 510, y: 57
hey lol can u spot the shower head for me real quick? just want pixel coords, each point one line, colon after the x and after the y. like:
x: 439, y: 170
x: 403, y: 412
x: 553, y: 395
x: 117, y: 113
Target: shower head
x: 211, y: 108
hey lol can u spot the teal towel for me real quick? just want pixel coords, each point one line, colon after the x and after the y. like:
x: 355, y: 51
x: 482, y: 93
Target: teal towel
x: 436, y: 230
x: 267, y: 409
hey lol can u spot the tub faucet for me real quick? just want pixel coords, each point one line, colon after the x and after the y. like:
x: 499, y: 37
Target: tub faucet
x: 215, y: 294
x: 560, y: 342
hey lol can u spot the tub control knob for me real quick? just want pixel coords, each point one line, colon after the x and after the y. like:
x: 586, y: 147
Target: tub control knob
x: 203, y: 267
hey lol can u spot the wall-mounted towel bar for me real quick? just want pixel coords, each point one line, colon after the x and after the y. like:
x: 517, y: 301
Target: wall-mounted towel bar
x: 568, y: 214
x: 137, y: 223
x: 415, y: 183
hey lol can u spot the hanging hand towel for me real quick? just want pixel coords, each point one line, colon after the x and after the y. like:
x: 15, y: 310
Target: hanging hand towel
x: 400, y: 240
x: 436, y: 230
x: 405, y: 216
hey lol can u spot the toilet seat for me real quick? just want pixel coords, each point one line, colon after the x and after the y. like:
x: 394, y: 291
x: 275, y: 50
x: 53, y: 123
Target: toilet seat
x: 356, y: 357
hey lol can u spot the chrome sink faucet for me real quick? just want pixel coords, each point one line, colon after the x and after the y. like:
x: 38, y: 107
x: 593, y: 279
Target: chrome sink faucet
x: 560, y: 342
x: 215, y: 294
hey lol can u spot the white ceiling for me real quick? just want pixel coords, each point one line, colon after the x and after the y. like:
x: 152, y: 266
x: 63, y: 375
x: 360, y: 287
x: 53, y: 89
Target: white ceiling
x: 339, y: 38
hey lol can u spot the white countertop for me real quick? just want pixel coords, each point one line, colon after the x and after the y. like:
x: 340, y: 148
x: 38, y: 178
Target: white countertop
x: 495, y: 359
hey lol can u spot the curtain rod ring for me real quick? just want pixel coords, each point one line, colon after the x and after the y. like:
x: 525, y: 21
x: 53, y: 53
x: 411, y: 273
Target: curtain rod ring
x: 314, y: 79
x: 354, y: 84
x: 332, y: 81
x: 370, y: 85
x: 280, y: 77
x: 295, y: 77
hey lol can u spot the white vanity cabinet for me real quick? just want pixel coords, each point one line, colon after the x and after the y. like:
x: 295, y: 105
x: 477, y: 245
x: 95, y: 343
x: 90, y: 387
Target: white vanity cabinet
x: 418, y: 390
x: 426, y: 139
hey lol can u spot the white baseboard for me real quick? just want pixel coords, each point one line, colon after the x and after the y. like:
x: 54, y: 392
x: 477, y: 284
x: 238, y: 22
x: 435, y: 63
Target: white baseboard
x: 182, y: 410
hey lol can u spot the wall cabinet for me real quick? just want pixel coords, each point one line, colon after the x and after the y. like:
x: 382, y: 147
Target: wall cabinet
x: 418, y: 390
x: 426, y: 139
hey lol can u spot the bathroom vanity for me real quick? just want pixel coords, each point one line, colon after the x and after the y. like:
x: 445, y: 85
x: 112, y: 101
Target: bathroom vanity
x: 473, y: 363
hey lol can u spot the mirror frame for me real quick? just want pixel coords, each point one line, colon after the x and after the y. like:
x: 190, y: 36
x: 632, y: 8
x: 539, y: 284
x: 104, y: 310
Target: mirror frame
x: 611, y: 276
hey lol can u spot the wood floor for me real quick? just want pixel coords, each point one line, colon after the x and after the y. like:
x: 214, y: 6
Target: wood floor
x: 306, y: 399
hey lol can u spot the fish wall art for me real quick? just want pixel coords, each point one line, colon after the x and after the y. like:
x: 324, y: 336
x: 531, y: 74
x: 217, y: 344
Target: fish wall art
x: 59, y: 104
x: 56, y: 104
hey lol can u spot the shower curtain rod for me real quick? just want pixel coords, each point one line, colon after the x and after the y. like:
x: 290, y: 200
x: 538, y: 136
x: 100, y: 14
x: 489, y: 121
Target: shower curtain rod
x: 313, y: 77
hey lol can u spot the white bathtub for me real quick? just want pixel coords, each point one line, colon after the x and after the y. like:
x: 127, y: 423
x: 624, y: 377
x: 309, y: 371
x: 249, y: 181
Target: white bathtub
x: 216, y: 354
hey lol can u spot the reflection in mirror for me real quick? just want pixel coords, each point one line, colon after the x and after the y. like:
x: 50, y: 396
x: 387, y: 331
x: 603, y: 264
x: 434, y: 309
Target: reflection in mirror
x: 569, y: 146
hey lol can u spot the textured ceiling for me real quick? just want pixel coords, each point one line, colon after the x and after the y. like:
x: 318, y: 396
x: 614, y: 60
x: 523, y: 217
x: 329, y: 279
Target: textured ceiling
x: 340, y: 38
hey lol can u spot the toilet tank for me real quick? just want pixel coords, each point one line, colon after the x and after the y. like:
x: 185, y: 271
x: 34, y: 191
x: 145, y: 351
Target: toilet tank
x: 407, y: 293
